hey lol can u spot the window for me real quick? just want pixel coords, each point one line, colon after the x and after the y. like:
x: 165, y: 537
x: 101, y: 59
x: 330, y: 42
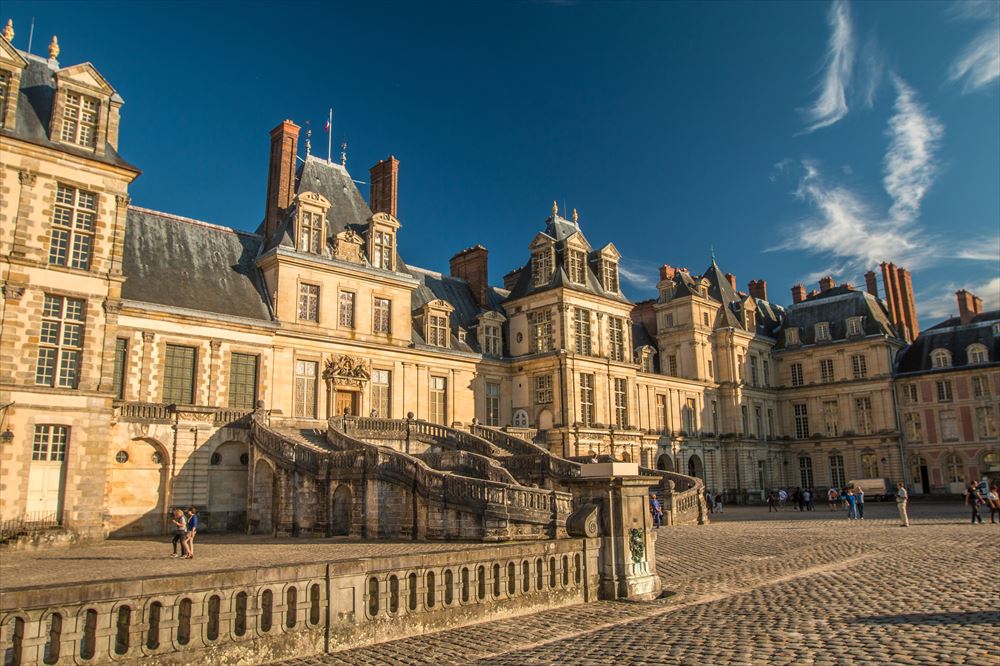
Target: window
x: 715, y: 417
x: 383, y: 256
x: 310, y: 232
x: 305, y: 389
x: 309, y: 302
x: 661, y: 412
x: 758, y: 422
x: 854, y: 326
x: 859, y: 366
x: 540, y: 323
x: 806, y: 471
x: 745, y: 413
x: 437, y: 330
x: 801, y: 422
x: 541, y: 267
x: 668, y: 320
x: 754, y: 372
x: 940, y: 358
x: 60, y: 343
x: 767, y: 373
x: 178, y: 375
x: 913, y: 426
x: 823, y: 331
x: 830, y: 418
x: 910, y: 394
x: 751, y: 320
x: 977, y: 354
x: 581, y: 328
x: 543, y: 389
x: 690, y: 416
x: 576, y: 263
x: 646, y: 360
x: 346, y: 309
x: 863, y: 413
x: 49, y: 443
x: 739, y: 366
x: 616, y: 335
x: 826, y: 369
x: 382, y: 316
x: 242, y: 381
x: 439, y: 401
x: 382, y: 393
x: 837, y: 479
x: 869, y: 465
x: 609, y: 275
x: 4, y: 91
x: 672, y: 365
x: 949, y: 426
x: 73, y: 218
x: 79, y: 124
x: 492, y: 342
x: 770, y: 423
x: 953, y: 469
x: 587, y: 400
x: 796, y: 369
x: 621, y: 402
x: 980, y: 387
x: 492, y: 404
x: 986, y: 423
x: 792, y: 336
x: 944, y: 391
x: 121, y: 359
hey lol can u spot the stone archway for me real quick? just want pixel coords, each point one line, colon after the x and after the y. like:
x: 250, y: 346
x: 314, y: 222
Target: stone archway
x: 545, y: 419
x: 262, y: 508
x: 136, y: 489
x: 664, y: 463
x: 227, y: 487
x: 695, y: 467
x: 340, y: 511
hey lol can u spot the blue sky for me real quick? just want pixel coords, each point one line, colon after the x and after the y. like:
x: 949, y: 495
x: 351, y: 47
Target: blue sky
x: 797, y: 139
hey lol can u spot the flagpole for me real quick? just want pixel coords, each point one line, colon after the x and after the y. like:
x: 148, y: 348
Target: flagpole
x: 329, y: 137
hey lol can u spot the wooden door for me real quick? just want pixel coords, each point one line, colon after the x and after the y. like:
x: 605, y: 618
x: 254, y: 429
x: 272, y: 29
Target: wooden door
x: 45, y: 480
x: 345, y: 400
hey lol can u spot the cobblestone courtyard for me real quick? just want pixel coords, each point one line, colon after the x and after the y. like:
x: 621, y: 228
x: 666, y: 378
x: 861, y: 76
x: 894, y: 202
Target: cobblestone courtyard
x: 753, y: 588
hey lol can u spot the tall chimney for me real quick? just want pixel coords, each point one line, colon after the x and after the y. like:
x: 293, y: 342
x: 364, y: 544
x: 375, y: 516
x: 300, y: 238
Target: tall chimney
x: 758, y: 289
x: 384, y: 186
x: 472, y: 266
x: 969, y: 305
x: 871, y: 283
x: 732, y: 280
x: 891, y: 288
x: 798, y: 293
x: 667, y: 272
x: 280, y: 174
x: 826, y: 283
x: 907, y: 303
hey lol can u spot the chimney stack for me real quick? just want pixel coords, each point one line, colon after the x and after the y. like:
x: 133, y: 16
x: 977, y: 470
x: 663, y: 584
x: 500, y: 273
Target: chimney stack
x: 280, y: 174
x: 384, y: 185
x: 907, y: 305
x: 969, y: 305
x: 826, y: 283
x: 890, y: 282
x: 758, y: 289
x: 732, y: 280
x: 871, y: 283
x: 667, y: 272
x: 798, y: 293
x: 472, y: 266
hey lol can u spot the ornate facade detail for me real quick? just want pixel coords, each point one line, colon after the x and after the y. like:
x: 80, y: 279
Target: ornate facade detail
x: 347, y: 371
x: 13, y: 292
x: 27, y: 178
x: 112, y: 307
x: 637, y: 544
x: 347, y: 247
x: 123, y: 200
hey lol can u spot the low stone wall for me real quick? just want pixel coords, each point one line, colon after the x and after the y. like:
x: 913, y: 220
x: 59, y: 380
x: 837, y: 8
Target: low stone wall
x: 251, y: 616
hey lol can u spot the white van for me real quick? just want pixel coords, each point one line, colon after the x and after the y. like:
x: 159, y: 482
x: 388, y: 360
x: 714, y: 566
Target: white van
x: 875, y: 489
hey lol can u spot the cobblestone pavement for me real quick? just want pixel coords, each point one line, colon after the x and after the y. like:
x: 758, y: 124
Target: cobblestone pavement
x: 791, y: 588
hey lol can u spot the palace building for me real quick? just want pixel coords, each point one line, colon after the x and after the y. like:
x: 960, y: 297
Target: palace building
x: 135, y: 343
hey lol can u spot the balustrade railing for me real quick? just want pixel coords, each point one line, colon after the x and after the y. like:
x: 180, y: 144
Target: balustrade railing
x: 143, y: 411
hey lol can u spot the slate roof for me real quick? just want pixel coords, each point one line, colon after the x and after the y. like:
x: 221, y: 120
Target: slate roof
x: 184, y: 263
x: 835, y: 306
x: 34, y: 113
x: 953, y: 335
x: 456, y: 292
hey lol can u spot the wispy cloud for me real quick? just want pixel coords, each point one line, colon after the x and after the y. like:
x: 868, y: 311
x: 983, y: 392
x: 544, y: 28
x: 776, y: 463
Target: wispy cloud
x: 640, y: 274
x: 831, y: 105
x: 909, y: 163
x: 941, y: 303
x: 978, y: 64
x: 980, y: 249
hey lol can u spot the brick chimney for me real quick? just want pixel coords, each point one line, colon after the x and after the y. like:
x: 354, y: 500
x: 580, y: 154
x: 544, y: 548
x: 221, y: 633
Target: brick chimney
x: 890, y: 283
x: 969, y: 305
x: 758, y: 289
x: 871, y: 283
x: 907, y: 305
x: 732, y: 280
x: 384, y: 185
x: 667, y: 272
x: 511, y: 278
x: 472, y: 266
x: 826, y: 283
x: 280, y: 174
x: 798, y: 293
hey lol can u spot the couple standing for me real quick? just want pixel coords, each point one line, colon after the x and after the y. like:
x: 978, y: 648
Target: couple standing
x: 185, y: 529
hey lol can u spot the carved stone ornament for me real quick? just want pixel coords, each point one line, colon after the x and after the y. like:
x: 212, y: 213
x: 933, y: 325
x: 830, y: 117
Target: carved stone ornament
x: 637, y: 544
x: 346, y: 371
x: 584, y: 522
x: 13, y: 291
x: 347, y: 246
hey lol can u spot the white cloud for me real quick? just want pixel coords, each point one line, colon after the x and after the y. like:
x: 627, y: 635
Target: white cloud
x: 941, y: 303
x: 831, y: 105
x: 978, y: 64
x: 640, y: 274
x: 909, y: 163
x: 980, y: 249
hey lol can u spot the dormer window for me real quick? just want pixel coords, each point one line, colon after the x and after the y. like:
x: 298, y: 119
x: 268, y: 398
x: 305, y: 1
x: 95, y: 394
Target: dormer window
x: 492, y: 340
x: 609, y: 275
x: 310, y: 232
x: 5, y: 91
x: 854, y: 326
x: 751, y: 320
x: 436, y: 323
x: 792, y: 336
x: 940, y: 358
x: 541, y: 267
x: 977, y: 354
x: 823, y: 331
x: 310, y: 222
x: 382, y: 241
x: 576, y: 266
x: 79, y: 121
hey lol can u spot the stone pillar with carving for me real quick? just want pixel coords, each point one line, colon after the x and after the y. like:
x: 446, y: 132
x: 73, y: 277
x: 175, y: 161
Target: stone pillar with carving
x: 611, y: 502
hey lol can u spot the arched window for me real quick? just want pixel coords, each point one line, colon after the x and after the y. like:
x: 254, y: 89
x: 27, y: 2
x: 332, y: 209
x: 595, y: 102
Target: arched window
x: 953, y: 468
x: 977, y: 354
x: 989, y: 463
x: 940, y: 358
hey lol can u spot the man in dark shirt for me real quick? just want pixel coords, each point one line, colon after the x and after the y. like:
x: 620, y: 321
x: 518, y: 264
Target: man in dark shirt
x: 192, y: 531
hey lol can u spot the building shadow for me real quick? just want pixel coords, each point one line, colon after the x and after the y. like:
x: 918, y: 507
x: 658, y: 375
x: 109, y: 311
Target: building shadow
x: 990, y: 618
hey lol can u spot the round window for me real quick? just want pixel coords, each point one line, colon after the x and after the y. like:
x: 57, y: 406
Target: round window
x: 520, y: 337
x: 216, y: 458
x: 245, y: 459
x: 121, y: 457
x: 157, y: 457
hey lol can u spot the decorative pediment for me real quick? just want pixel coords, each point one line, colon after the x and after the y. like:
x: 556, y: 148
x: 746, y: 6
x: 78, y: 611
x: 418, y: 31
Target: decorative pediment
x: 86, y: 76
x: 577, y: 241
x: 491, y: 317
x: 10, y: 56
x: 610, y: 252
x: 314, y: 198
x: 347, y: 246
x: 384, y: 219
x: 439, y: 304
x: 347, y: 370
x: 541, y: 240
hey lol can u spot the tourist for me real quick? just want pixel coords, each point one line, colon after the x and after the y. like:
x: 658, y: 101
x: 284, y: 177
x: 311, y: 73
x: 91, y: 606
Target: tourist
x: 852, y: 505
x: 180, y: 533
x: 799, y: 499
x: 833, y: 498
x: 192, y: 531
x: 901, y: 499
x: 993, y: 498
x: 718, y: 502
x: 709, y: 501
x: 859, y: 501
x: 974, y: 500
x: 807, y: 499
x: 782, y: 498
x: 657, y: 510
x: 772, y: 502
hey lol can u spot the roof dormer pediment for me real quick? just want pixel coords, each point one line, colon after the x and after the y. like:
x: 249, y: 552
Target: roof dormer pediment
x: 10, y: 56
x: 313, y: 198
x: 86, y: 76
x: 439, y: 304
x: 491, y: 316
x: 577, y: 241
x: 385, y: 219
x: 541, y: 240
x: 609, y: 251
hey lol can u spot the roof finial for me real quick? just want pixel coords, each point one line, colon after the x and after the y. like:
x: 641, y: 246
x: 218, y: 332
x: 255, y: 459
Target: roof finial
x: 309, y: 133
x: 555, y: 208
x: 576, y: 216
x: 8, y: 30
x: 54, y: 48
x: 343, y: 153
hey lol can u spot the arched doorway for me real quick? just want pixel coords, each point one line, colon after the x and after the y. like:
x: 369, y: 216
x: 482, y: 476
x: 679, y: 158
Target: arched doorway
x: 340, y: 511
x: 920, y: 475
x: 545, y: 419
x: 262, y: 508
x: 664, y: 463
x: 227, y: 487
x: 136, y: 484
x: 695, y: 467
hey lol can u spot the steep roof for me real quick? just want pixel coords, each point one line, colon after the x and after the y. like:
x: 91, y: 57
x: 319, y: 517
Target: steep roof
x: 954, y: 336
x: 455, y: 292
x: 179, y: 262
x: 835, y: 306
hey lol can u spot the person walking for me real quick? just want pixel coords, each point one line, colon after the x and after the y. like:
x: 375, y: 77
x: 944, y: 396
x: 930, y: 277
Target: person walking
x: 859, y: 502
x: 782, y: 498
x: 993, y: 499
x: 657, y: 510
x: 807, y: 498
x: 799, y: 499
x: 852, y: 505
x: 192, y: 531
x: 180, y: 533
x: 902, y: 497
x: 709, y: 501
x: 772, y: 502
x: 718, y: 503
x: 833, y: 498
x: 974, y: 500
